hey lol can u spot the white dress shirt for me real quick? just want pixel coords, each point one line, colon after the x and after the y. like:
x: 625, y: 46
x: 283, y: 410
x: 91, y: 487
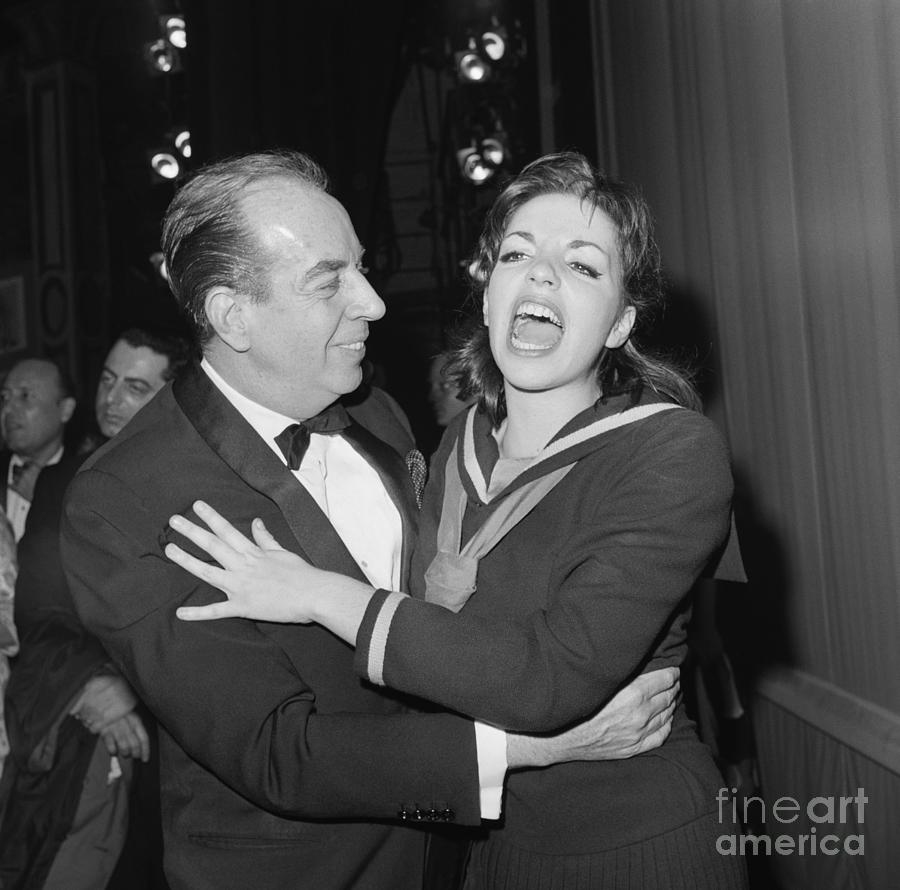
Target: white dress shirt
x: 350, y: 493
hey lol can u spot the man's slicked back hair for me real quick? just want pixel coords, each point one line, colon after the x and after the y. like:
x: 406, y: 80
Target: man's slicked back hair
x: 206, y: 239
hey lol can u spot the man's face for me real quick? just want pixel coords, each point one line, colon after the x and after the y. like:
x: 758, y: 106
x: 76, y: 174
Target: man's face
x: 131, y: 376
x: 33, y: 411
x: 306, y: 339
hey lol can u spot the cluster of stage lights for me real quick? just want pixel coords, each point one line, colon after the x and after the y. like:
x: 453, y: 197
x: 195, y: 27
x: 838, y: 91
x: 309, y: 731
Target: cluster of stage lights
x: 476, y: 64
x: 163, y: 56
x: 479, y: 161
x: 166, y: 164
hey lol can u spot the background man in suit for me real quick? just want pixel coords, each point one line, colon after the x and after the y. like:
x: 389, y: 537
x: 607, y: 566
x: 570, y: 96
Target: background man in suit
x: 36, y: 402
x: 75, y: 723
x: 280, y: 768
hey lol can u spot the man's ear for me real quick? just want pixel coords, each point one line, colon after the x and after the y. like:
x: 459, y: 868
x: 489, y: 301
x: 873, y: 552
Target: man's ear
x: 621, y: 330
x: 66, y: 409
x: 225, y: 312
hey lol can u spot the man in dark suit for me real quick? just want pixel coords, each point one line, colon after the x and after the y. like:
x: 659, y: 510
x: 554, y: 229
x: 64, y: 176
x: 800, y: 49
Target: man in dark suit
x: 280, y: 769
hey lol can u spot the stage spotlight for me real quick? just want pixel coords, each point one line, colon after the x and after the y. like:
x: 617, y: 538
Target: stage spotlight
x: 183, y: 143
x: 473, y: 166
x: 494, y: 44
x: 492, y: 151
x: 471, y: 66
x: 175, y: 30
x: 161, y: 57
x: 165, y: 165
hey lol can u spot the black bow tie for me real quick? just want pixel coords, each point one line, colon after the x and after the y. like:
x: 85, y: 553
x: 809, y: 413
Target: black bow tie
x: 293, y: 440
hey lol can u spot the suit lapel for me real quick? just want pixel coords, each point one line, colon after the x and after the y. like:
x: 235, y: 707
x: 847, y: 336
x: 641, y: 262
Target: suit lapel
x: 241, y: 448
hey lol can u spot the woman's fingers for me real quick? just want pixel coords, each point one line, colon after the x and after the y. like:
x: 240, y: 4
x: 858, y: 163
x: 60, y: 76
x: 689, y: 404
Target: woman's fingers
x: 203, y: 570
x: 262, y: 536
x: 223, y: 529
x: 225, y: 609
x: 221, y: 552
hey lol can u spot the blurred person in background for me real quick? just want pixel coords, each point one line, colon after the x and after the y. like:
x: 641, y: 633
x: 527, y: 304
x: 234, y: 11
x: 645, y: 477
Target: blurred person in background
x: 443, y: 393
x: 37, y: 400
x: 82, y: 783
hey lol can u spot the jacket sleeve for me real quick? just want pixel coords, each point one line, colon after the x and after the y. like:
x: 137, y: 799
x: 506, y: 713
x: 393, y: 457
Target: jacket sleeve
x: 230, y: 694
x: 619, y: 578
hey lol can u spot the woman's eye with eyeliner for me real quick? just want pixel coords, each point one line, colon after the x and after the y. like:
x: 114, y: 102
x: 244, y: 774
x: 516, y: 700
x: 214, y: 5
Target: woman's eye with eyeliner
x: 586, y: 270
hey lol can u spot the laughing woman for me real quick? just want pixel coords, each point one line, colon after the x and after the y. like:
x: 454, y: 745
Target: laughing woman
x: 567, y: 517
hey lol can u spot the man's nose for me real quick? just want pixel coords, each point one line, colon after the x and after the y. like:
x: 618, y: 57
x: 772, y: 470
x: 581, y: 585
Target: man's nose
x: 113, y: 395
x: 365, y: 301
x: 8, y: 406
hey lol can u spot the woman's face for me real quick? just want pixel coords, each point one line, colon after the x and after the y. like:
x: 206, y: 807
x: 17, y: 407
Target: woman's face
x: 554, y: 299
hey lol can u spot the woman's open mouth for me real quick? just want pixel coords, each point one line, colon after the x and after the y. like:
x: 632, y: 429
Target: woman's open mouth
x: 535, y: 328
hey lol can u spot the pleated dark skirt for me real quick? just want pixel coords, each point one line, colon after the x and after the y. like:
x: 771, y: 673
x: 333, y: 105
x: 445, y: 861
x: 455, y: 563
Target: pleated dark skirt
x: 682, y: 859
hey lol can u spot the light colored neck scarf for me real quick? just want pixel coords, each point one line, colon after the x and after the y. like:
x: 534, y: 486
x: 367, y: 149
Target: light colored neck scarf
x: 451, y: 578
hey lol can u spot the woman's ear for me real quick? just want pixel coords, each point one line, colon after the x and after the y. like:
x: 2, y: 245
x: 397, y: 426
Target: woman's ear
x: 226, y: 312
x: 621, y: 329
x: 484, y: 307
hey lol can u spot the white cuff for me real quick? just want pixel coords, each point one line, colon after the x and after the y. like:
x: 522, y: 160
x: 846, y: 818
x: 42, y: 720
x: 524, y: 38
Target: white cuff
x: 490, y: 743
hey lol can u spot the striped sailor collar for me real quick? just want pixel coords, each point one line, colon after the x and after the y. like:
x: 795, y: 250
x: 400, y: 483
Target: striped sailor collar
x: 477, y: 451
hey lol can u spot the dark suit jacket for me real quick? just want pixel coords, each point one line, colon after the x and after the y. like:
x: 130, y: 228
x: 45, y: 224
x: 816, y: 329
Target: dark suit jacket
x: 280, y: 768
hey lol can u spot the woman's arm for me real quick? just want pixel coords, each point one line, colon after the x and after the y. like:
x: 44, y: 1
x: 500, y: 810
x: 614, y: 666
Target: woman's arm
x: 620, y: 578
x: 263, y: 581
x: 604, y: 565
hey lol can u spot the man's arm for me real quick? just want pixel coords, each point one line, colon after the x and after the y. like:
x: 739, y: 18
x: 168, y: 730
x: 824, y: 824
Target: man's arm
x: 635, y: 720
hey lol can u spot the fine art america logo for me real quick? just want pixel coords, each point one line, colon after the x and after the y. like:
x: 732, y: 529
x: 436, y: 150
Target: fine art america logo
x: 819, y: 816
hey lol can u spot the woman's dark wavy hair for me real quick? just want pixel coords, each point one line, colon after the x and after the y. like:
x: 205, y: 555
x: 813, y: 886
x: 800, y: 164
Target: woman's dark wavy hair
x: 206, y: 239
x: 626, y: 369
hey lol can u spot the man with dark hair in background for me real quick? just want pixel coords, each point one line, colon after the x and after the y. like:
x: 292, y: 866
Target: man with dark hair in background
x: 76, y: 727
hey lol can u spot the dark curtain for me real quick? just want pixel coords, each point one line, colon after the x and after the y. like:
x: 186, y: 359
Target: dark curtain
x: 319, y: 77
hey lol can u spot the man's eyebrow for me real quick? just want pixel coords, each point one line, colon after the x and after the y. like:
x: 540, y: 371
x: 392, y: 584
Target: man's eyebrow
x: 324, y: 267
